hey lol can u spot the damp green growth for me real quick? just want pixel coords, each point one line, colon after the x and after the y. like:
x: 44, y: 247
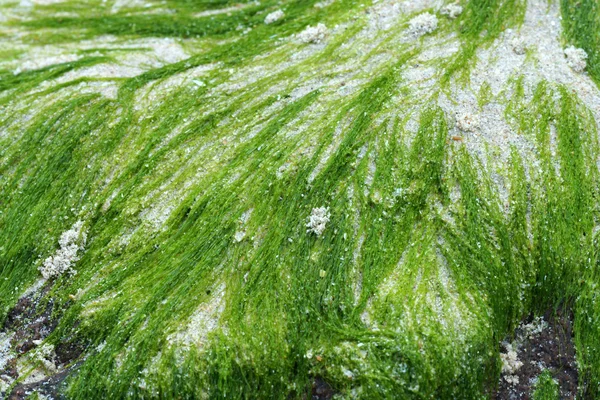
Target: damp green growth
x: 546, y: 388
x: 581, y: 21
x: 165, y: 158
x: 481, y: 22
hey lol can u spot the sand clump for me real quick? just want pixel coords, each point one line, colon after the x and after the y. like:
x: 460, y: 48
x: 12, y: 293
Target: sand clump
x: 71, y: 242
x: 452, y: 11
x: 274, y: 17
x: 510, y: 363
x: 313, y: 34
x: 317, y: 221
x: 422, y: 24
x: 467, y: 122
x: 518, y: 45
x: 576, y: 58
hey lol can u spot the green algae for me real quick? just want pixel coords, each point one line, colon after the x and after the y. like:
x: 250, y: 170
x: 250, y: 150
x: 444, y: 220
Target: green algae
x: 479, y: 25
x: 546, y: 387
x: 581, y: 21
x: 459, y: 268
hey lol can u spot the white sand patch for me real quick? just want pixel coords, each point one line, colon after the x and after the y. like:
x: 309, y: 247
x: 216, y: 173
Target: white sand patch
x: 370, y: 177
x: 384, y: 15
x: 37, y: 285
x: 158, y: 214
x: 37, y: 61
x: 162, y: 201
x: 240, y: 234
x: 47, y: 2
x: 204, y: 321
x: 158, y: 53
x: 71, y: 243
x: 413, y: 6
x: 5, y: 352
x: 102, y: 71
x: 166, y: 51
x: 118, y: 5
x: 226, y: 10
x: 323, y: 4
x: 356, y: 270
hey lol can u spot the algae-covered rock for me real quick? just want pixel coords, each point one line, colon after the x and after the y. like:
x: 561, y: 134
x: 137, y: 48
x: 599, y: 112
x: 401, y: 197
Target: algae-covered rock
x: 297, y: 199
